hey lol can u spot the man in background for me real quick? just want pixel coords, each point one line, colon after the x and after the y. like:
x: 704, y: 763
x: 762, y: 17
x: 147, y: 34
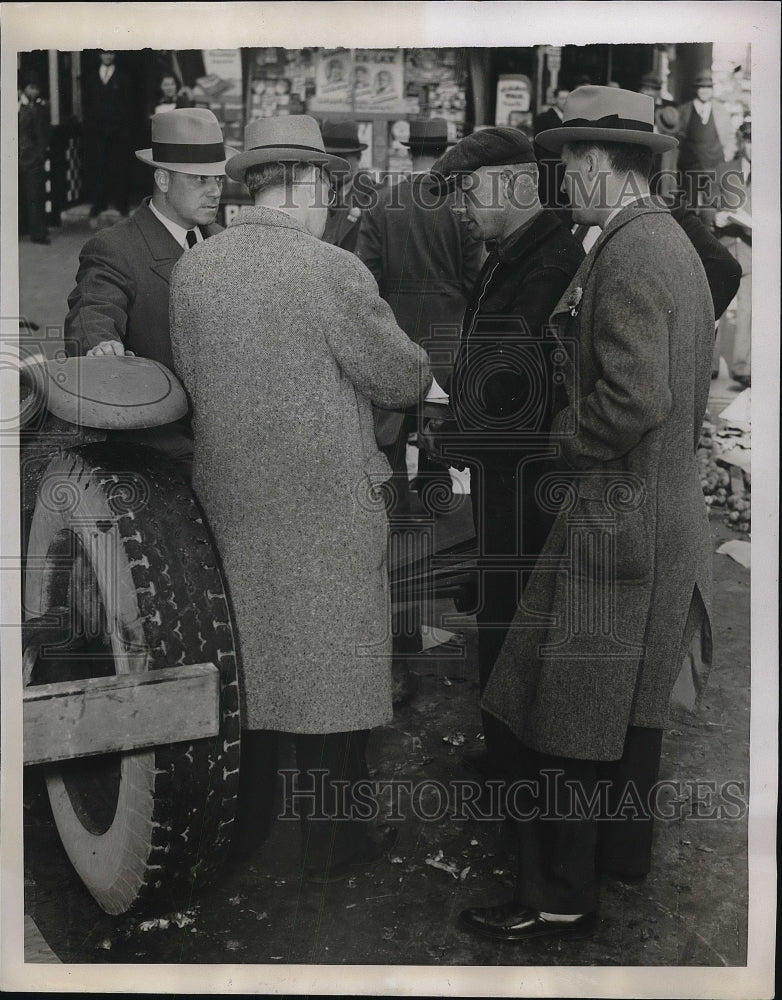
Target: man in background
x: 107, y: 119
x: 550, y: 167
x: 425, y: 265
x: 733, y: 224
x: 33, y: 145
x: 703, y: 133
x: 354, y: 187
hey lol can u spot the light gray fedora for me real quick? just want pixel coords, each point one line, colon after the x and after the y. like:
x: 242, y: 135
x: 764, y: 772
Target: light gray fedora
x: 187, y: 140
x: 284, y: 139
x: 607, y: 114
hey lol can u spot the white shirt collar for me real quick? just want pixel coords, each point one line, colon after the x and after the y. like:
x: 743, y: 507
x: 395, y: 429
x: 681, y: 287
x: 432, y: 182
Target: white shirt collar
x: 106, y: 72
x: 178, y: 232
x: 557, y: 112
x: 746, y: 168
x: 23, y: 99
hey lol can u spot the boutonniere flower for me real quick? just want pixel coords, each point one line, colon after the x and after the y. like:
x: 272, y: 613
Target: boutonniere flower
x: 574, y: 300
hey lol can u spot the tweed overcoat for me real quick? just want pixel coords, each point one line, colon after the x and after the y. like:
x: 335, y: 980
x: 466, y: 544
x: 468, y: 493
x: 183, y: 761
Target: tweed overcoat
x: 283, y: 344
x: 122, y: 287
x: 597, y: 642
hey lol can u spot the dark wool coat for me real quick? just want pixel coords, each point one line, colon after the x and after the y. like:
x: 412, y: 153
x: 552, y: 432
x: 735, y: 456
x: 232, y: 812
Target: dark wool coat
x: 283, y: 344
x: 122, y: 287
x: 596, y: 645
x: 425, y: 265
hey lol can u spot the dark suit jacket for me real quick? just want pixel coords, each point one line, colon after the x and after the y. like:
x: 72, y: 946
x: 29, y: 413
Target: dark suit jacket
x: 122, y: 287
x: 33, y: 134
x: 107, y: 106
x: 344, y: 221
x: 552, y: 169
x: 423, y: 260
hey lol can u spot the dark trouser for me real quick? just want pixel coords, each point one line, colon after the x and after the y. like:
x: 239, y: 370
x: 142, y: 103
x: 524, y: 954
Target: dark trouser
x: 174, y: 440
x: 32, y: 197
x: 109, y: 173
x: 503, y: 527
x: 561, y: 858
x: 327, y: 842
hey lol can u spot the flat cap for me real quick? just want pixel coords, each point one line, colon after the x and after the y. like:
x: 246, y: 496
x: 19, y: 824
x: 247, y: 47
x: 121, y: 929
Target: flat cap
x: 486, y: 147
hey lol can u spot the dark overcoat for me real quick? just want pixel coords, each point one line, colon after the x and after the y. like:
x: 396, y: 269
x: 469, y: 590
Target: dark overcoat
x: 425, y: 265
x: 283, y: 344
x: 122, y: 287
x: 596, y: 645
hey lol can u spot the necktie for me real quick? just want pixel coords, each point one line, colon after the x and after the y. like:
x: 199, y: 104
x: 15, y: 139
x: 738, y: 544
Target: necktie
x: 191, y: 238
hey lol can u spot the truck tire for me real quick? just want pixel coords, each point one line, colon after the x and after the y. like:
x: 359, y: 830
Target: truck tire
x: 119, y: 541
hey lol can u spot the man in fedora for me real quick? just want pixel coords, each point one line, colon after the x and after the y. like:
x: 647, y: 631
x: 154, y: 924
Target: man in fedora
x: 666, y: 122
x: 550, y: 167
x: 705, y: 137
x: 288, y: 472
x: 502, y: 389
x: 355, y: 189
x: 586, y: 674
x: 120, y: 302
x: 425, y: 266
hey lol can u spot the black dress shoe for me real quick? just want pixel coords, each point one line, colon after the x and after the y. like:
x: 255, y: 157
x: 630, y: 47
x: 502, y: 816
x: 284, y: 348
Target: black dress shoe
x: 480, y: 762
x: 513, y: 922
x: 369, y: 856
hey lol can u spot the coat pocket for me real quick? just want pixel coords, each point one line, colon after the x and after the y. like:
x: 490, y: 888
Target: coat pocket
x: 613, y: 524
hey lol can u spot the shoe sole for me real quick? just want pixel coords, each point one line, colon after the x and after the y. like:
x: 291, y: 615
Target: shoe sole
x: 577, y: 933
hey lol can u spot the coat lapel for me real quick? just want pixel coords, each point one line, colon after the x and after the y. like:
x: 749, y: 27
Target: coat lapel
x: 163, y: 248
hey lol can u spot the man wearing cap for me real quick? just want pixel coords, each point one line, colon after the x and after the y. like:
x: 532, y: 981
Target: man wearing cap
x: 120, y: 302
x: 288, y: 472
x: 585, y: 677
x: 355, y: 188
x: 425, y: 266
x: 502, y: 389
x: 705, y: 137
x: 733, y: 224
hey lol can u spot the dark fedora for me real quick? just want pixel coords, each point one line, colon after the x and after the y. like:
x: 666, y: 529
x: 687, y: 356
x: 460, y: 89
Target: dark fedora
x: 704, y: 79
x: 607, y: 114
x: 341, y: 137
x: 652, y: 81
x: 428, y: 133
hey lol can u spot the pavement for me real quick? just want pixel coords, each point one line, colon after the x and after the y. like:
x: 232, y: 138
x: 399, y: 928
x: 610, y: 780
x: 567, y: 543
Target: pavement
x: 690, y: 911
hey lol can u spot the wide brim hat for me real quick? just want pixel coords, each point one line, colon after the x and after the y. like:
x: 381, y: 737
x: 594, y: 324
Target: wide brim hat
x: 341, y: 137
x: 284, y: 139
x: 704, y: 79
x: 188, y: 141
x: 607, y: 114
x: 428, y: 132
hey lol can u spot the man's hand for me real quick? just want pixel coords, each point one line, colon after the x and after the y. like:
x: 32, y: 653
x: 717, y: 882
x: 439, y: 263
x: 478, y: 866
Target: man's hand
x: 106, y: 347
x: 428, y: 439
x: 721, y: 220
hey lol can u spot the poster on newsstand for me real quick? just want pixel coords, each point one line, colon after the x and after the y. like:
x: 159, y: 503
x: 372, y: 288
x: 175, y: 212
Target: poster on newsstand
x: 333, y: 81
x: 379, y: 80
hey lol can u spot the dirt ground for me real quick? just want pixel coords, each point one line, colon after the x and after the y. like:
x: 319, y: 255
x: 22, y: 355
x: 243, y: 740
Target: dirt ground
x: 690, y: 911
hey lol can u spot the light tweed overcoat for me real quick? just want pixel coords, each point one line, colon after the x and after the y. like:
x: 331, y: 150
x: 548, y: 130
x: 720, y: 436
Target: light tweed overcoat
x: 283, y: 344
x: 626, y: 569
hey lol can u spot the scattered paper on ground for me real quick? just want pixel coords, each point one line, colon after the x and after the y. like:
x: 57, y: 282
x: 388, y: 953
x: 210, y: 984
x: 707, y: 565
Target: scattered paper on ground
x: 432, y: 637
x: 738, y: 550
x: 739, y: 413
